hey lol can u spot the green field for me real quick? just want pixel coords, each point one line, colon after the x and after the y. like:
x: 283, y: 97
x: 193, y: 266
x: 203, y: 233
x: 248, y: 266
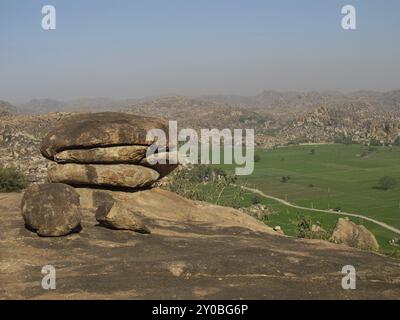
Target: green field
x: 331, y: 176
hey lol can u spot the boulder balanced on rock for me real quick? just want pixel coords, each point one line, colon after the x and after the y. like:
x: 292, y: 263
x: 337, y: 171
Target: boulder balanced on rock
x: 105, y: 149
x: 99, y: 150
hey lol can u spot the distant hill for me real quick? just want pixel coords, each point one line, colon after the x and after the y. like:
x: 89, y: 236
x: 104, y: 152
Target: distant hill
x: 38, y: 106
x: 7, y: 108
x: 277, y: 102
x: 41, y: 106
x: 292, y: 101
x: 198, y: 113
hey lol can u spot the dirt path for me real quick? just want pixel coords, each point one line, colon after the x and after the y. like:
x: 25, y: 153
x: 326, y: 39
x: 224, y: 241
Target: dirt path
x: 286, y: 203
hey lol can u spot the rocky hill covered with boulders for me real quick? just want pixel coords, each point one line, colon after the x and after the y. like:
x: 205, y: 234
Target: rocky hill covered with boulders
x: 277, y: 118
x: 349, y: 123
x: 20, y: 138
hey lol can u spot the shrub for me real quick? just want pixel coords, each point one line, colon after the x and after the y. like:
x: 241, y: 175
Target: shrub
x: 305, y: 229
x: 220, y: 173
x: 11, y: 180
x: 257, y: 158
x: 386, y: 183
x: 285, y: 179
x: 256, y: 199
x: 201, y: 173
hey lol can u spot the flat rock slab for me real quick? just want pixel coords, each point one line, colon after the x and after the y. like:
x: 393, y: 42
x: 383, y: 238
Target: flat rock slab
x: 191, y: 260
x: 119, y: 175
x: 89, y: 130
x: 122, y: 154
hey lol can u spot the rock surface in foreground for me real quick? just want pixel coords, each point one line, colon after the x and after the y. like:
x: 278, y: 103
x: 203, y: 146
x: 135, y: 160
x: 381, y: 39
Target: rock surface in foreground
x: 354, y: 235
x: 198, y: 251
x: 121, y: 154
x: 51, y: 210
x: 89, y: 130
x: 121, y: 175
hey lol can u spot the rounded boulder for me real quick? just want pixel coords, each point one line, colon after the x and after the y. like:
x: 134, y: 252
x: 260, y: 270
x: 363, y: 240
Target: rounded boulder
x: 51, y: 209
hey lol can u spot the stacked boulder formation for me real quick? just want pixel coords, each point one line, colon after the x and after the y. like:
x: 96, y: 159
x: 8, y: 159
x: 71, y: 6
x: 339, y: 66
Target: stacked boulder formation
x: 94, y: 150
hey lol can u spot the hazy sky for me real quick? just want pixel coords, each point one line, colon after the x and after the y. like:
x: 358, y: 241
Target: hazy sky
x: 132, y: 48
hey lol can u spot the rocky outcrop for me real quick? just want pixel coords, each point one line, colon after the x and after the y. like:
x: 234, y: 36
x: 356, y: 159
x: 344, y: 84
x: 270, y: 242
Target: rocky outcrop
x: 115, y: 175
x: 344, y: 124
x: 354, y: 235
x: 51, y: 210
x: 104, y: 150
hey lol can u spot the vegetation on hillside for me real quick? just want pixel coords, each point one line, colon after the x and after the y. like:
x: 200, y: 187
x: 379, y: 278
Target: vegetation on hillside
x: 205, y: 183
x: 307, y: 229
x: 11, y: 180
